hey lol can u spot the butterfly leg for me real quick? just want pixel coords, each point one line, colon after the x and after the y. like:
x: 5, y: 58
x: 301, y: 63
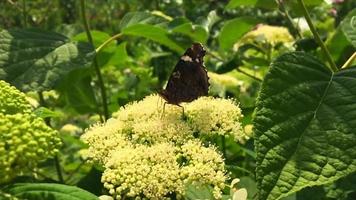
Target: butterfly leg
x: 164, y: 106
x: 183, y: 115
x: 159, y: 101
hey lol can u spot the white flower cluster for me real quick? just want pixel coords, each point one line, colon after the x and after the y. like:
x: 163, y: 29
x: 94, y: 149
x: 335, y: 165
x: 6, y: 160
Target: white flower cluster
x: 148, y: 155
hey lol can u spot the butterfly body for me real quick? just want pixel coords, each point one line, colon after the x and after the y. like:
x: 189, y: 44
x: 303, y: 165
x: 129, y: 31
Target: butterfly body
x: 189, y: 79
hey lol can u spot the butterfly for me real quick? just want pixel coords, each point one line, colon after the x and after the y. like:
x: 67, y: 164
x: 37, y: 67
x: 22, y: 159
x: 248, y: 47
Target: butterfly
x: 189, y: 79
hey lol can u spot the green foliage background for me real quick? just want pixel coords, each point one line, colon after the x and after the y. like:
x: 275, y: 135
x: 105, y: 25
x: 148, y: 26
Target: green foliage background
x: 294, y: 100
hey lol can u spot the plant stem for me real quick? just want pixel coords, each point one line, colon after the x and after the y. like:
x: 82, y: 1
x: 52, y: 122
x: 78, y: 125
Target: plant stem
x: 108, y: 41
x: 349, y: 61
x: 96, y: 65
x: 284, y: 12
x: 223, y: 145
x: 56, y: 157
x: 317, y: 37
x: 24, y: 13
x: 231, y: 167
x: 249, y: 75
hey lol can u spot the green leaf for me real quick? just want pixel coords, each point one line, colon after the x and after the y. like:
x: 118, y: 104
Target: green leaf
x: 154, y: 33
x: 210, y: 20
x: 99, y: 38
x: 46, y: 191
x: 193, y: 192
x: 133, y: 18
x: 36, y: 59
x: 296, y: 10
x: 348, y: 26
x: 234, y: 29
x: 268, y: 4
x: 120, y: 56
x: 250, y: 184
x: 304, y: 126
x: 43, y: 112
x: 196, y: 32
x: 147, y: 25
x: 77, y: 91
x: 342, y: 44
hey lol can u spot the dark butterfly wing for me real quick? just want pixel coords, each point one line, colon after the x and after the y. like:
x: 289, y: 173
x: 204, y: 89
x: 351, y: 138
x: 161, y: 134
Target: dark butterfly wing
x: 189, y: 79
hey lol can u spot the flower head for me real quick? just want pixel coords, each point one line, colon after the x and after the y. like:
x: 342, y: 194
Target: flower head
x: 150, y: 154
x: 12, y: 100
x: 25, y: 139
x: 151, y: 171
x: 211, y: 116
x: 269, y: 34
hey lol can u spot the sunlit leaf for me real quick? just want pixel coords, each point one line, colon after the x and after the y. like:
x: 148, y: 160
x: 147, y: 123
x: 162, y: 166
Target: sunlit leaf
x: 147, y: 25
x: 234, y: 29
x: 154, y: 33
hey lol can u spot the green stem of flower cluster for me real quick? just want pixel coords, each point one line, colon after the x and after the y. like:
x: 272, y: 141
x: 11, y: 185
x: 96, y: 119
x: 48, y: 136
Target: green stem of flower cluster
x: 249, y: 75
x: 56, y: 157
x: 104, y: 44
x: 317, y: 37
x: 349, y: 61
x: 96, y: 65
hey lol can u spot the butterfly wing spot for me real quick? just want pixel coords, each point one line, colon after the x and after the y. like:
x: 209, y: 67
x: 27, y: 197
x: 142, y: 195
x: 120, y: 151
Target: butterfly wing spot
x: 176, y: 74
x: 186, y: 58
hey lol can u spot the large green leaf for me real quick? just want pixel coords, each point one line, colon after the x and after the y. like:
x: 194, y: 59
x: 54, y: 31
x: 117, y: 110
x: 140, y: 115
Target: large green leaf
x: 149, y: 26
x: 49, y: 191
x: 304, y: 126
x: 37, y: 59
x: 234, y: 29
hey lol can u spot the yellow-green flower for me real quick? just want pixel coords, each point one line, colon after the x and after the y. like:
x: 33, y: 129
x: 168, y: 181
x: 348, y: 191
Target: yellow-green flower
x: 25, y: 139
x: 269, y: 34
x: 220, y: 83
x: 12, y: 100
